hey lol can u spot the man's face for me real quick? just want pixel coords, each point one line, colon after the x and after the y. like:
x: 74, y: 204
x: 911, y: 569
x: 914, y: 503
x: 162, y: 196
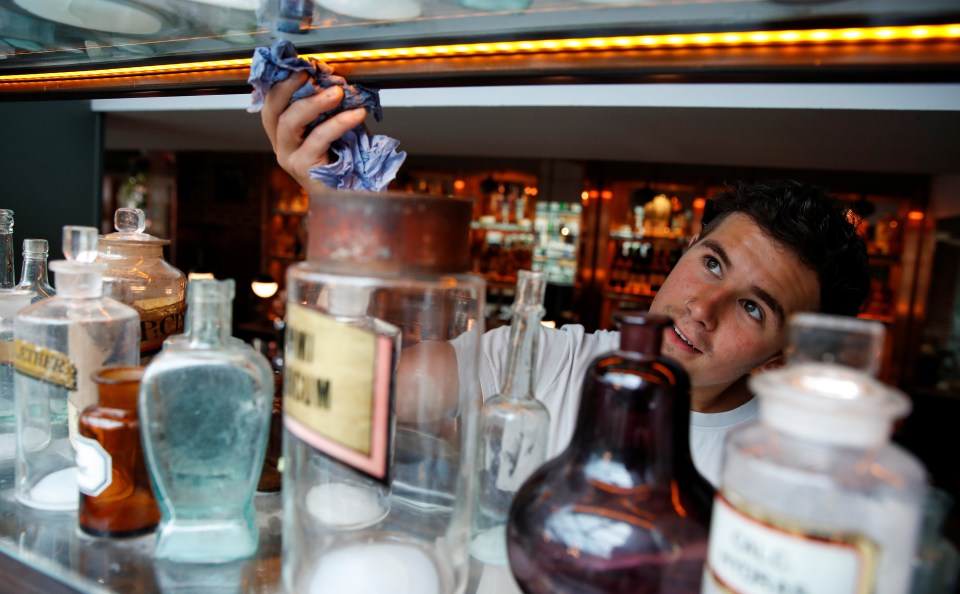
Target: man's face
x: 729, y: 297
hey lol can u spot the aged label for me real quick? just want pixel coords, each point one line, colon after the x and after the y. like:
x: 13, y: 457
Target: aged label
x: 749, y: 554
x: 44, y: 364
x: 337, y: 389
x: 94, y: 466
x: 158, y: 323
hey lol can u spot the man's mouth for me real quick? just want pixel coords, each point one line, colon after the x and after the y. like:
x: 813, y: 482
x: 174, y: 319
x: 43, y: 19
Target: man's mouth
x: 684, y: 339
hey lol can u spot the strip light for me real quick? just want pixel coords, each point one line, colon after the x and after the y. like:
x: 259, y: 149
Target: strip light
x: 871, y: 35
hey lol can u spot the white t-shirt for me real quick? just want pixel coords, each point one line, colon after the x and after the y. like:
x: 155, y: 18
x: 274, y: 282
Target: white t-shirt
x: 564, y: 356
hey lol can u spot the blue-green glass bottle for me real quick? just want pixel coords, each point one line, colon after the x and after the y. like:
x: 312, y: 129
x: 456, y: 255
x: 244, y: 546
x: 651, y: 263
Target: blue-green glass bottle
x: 205, y: 405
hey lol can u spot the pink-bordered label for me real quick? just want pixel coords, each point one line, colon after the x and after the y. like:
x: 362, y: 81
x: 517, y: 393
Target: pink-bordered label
x: 338, y: 389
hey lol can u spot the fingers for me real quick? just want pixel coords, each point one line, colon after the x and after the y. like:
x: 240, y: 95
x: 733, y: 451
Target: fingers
x: 315, y: 148
x: 276, y: 102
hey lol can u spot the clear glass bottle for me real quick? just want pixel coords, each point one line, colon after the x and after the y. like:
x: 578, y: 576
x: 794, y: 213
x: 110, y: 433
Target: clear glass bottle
x: 34, y: 276
x: 8, y: 273
x: 814, y: 497
x: 381, y: 396
x: 936, y: 569
x: 205, y: 412
x: 513, y: 427
x: 58, y: 344
x: 622, y: 509
x: 138, y: 275
x: 116, y: 498
x: 11, y: 302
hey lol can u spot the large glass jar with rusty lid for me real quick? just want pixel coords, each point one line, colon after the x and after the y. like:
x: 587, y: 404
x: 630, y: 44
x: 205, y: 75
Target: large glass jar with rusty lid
x: 381, y: 395
x: 138, y: 275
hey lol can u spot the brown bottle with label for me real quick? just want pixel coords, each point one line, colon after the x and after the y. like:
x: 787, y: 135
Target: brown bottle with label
x: 116, y: 498
x: 270, y: 476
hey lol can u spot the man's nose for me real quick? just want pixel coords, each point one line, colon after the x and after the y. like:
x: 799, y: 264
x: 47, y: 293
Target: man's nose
x: 705, y: 309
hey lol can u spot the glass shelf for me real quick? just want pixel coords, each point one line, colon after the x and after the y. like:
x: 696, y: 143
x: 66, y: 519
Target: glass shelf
x: 52, y: 544
x: 38, y: 35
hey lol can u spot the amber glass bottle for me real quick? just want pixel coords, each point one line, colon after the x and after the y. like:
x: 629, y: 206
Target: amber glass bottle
x: 116, y: 498
x: 622, y: 509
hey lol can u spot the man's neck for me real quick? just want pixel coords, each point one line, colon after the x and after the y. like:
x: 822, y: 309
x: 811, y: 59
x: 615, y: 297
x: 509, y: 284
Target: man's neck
x: 709, y: 400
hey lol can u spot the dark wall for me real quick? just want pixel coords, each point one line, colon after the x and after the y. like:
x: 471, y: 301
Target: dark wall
x: 50, y: 163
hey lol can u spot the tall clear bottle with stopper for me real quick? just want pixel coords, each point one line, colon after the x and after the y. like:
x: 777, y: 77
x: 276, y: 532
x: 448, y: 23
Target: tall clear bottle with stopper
x: 34, y: 278
x: 58, y: 344
x: 513, y: 427
x: 138, y: 275
x: 204, y: 409
x: 814, y: 497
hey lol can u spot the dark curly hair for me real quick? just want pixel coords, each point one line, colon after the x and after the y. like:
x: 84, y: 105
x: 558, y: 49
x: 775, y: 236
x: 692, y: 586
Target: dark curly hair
x: 816, y: 226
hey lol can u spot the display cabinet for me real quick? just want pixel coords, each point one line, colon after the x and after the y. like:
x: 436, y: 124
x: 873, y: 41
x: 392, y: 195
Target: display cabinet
x: 148, y: 48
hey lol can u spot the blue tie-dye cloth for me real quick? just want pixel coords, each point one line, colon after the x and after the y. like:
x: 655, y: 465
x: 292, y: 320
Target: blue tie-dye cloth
x: 365, y: 162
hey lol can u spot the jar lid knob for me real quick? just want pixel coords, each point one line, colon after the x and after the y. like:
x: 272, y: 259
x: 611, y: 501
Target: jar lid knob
x: 129, y: 220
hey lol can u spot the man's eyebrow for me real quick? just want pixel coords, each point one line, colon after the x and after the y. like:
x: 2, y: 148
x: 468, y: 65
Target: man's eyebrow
x: 771, y: 302
x: 710, y: 244
x: 761, y: 294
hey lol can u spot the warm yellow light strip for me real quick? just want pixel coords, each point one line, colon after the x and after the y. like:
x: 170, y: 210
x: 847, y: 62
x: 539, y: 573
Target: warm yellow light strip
x: 638, y: 42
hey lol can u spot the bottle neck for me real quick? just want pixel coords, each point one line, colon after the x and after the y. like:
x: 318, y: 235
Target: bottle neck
x: 627, y: 418
x: 209, y: 323
x: 34, y: 272
x: 7, y: 271
x: 520, y: 379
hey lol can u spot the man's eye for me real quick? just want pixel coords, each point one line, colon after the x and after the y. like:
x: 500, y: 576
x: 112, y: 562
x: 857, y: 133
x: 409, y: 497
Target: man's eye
x: 753, y: 310
x: 713, y: 265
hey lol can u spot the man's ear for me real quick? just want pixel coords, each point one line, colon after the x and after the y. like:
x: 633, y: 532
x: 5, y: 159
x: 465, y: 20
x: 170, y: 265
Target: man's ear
x: 774, y: 362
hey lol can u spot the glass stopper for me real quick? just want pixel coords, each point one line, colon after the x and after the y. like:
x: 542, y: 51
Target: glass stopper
x: 80, y: 243
x: 129, y: 220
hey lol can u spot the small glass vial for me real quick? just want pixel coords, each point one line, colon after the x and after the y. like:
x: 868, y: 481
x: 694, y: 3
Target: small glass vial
x: 58, y: 344
x: 8, y: 274
x: 205, y: 412
x: 138, y: 275
x: 815, y: 497
x: 34, y: 276
x: 513, y: 427
x: 116, y: 498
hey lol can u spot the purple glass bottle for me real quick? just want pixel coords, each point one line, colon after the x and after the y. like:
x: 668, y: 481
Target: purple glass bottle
x: 622, y: 509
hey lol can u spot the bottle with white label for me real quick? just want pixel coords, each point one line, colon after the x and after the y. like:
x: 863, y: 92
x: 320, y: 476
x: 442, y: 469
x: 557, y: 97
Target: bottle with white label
x: 138, y: 275
x: 380, y: 396
x: 204, y: 407
x: 58, y: 344
x: 815, y: 497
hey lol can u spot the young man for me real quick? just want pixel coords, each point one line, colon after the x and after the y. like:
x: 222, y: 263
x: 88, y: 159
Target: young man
x: 765, y: 252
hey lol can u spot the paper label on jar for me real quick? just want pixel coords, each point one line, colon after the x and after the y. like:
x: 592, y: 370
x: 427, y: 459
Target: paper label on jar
x: 94, y: 466
x: 44, y: 364
x: 338, y: 389
x: 752, y: 554
x: 157, y: 323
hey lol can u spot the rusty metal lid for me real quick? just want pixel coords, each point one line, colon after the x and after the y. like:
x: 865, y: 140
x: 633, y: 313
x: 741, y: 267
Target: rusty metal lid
x: 390, y: 231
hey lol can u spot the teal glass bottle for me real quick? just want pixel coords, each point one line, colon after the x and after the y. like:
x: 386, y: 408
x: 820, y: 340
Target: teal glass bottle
x: 205, y: 405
